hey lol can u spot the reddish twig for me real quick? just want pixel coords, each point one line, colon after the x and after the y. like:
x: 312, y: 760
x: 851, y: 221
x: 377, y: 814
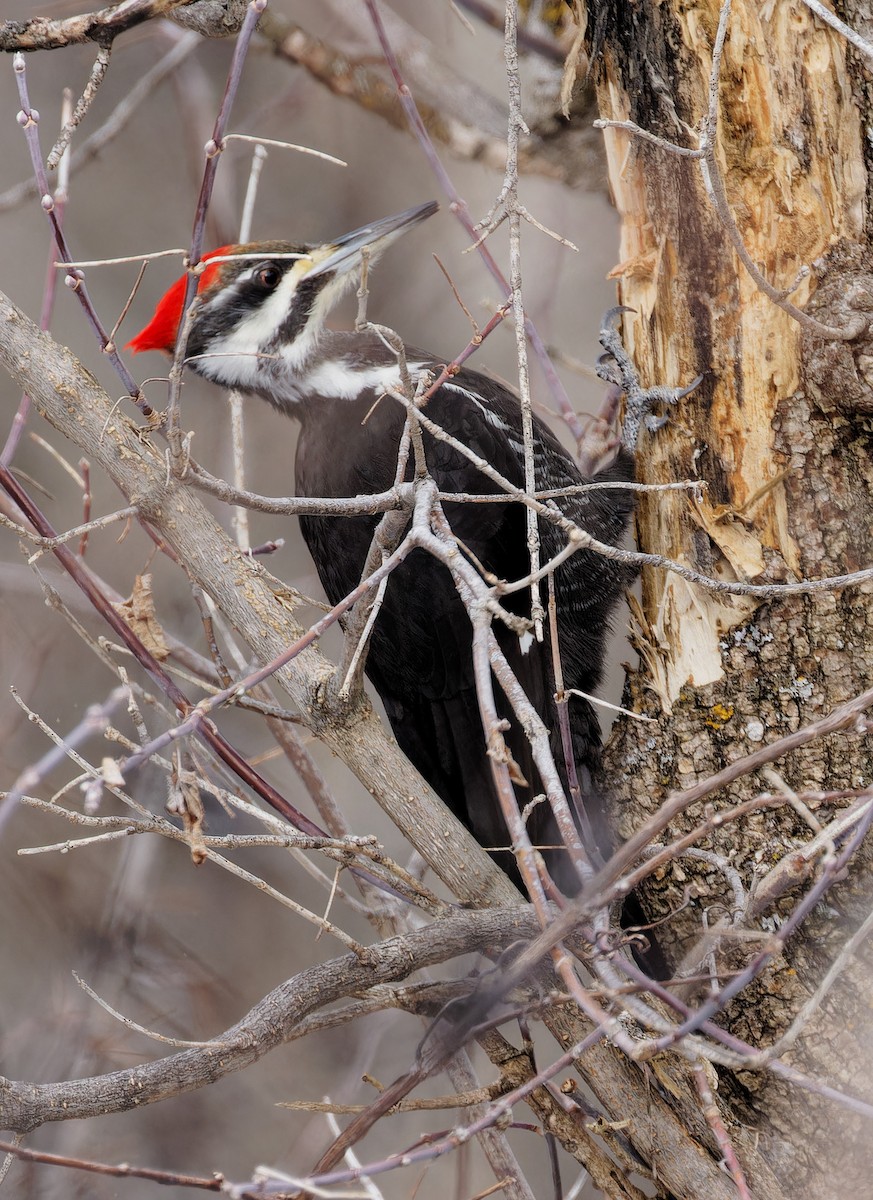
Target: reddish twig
x: 125, y: 110
x: 204, y: 728
x: 123, y: 1171
x: 49, y: 293
x: 497, y: 1112
x: 28, y: 119
x: 746, y: 1056
x: 716, y: 1124
x: 85, y: 471
x: 196, y: 715
x: 530, y: 41
x: 742, y: 979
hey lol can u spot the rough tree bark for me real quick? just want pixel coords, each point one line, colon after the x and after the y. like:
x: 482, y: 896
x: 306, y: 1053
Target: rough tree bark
x: 780, y: 430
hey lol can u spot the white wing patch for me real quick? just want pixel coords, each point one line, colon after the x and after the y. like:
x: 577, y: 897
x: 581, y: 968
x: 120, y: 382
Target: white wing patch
x: 525, y: 641
x: 345, y: 382
x: 491, y: 417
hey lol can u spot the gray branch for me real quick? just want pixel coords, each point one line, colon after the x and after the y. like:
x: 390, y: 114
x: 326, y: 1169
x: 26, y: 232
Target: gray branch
x: 274, y: 1020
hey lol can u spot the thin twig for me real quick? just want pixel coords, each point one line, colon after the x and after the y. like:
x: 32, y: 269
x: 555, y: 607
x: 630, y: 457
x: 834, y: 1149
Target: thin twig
x: 94, y: 722
x: 716, y: 1124
x: 459, y: 207
x: 28, y: 119
x: 260, y: 141
x: 841, y: 27
x: 98, y: 74
x: 511, y: 206
x: 212, y: 150
x: 584, y: 541
x: 50, y: 289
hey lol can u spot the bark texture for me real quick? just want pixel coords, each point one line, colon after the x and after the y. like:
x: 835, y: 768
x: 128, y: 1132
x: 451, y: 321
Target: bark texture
x: 780, y: 430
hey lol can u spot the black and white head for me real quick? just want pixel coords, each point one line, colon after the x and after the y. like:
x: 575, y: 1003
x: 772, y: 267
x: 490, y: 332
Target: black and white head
x: 262, y: 305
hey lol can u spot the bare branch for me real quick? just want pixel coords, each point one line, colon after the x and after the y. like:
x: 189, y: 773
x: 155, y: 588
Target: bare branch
x: 103, y: 26
x: 270, y: 1023
x: 98, y: 74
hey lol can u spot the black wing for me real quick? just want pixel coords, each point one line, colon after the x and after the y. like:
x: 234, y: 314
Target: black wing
x: 420, y: 657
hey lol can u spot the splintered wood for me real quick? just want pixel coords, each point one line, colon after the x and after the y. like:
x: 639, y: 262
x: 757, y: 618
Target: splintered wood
x: 789, y: 151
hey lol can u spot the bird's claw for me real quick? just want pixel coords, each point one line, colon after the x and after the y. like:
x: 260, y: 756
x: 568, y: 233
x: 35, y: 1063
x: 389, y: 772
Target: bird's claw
x: 681, y: 393
x: 653, y: 423
x: 615, y: 367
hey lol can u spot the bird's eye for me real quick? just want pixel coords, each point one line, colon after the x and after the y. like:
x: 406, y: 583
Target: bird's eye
x: 268, y: 276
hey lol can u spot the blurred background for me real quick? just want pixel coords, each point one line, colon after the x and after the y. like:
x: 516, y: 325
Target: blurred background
x: 186, y: 950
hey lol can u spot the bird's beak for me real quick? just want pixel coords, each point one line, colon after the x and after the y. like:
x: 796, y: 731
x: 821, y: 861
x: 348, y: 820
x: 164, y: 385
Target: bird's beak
x: 344, y: 254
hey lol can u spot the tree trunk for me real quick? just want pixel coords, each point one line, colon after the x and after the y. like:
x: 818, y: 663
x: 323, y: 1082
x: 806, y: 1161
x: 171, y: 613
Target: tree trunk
x: 780, y: 431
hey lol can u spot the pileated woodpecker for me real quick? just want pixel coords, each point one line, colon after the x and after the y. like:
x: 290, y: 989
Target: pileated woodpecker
x: 260, y: 328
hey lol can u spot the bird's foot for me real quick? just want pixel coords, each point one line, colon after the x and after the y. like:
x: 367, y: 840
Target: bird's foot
x: 616, y: 367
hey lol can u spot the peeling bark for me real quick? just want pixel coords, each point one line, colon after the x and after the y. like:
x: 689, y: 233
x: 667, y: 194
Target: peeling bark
x: 780, y: 430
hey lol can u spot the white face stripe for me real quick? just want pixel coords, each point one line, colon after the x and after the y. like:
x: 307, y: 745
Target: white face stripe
x: 260, y: 325
x: 229, y: 368
x: 234, y: 358
x: 296, y: 354
x: 239, y: 358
